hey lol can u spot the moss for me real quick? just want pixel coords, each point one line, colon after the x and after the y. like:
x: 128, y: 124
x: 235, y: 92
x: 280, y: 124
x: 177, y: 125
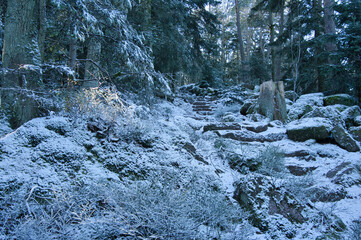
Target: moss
x: 343, y: 99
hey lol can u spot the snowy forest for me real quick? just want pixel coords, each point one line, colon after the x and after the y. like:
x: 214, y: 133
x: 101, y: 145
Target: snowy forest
x: 180, y: 119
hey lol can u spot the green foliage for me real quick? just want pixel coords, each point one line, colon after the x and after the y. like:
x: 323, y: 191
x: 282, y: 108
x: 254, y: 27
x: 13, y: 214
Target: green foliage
x: 349, y: 18
x: 179, y: 34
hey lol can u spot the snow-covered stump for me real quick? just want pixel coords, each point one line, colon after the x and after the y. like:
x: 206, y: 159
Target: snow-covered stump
x: 272, y: 102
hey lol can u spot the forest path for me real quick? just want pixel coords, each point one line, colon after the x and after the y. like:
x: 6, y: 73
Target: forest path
x: 204, y: 106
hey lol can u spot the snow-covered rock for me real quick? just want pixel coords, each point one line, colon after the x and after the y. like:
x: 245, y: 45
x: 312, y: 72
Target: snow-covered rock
x: 350, y: 114
x: 306, y: 103
x: 263, y: 199
x: 355, y: 133
x: 310, y: 128
x: 344, y: 139
x: 329, y: 112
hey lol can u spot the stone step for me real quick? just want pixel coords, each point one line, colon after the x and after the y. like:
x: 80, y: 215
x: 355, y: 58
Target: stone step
x: 200, y: 103
x: 205, y: 108
x: 205, y: 113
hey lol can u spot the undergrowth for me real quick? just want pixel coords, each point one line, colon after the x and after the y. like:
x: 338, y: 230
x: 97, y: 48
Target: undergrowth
x: 164, y: 206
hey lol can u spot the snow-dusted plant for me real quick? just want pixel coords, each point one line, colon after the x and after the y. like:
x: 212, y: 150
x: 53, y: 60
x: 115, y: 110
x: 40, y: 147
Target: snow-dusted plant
x: 355, y: 230
x: 177, y: 207
x: 164, y: 206
x: 272, y: 161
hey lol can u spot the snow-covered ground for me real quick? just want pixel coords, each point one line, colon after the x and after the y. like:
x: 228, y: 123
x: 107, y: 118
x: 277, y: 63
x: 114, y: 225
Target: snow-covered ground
x: 158, y: 156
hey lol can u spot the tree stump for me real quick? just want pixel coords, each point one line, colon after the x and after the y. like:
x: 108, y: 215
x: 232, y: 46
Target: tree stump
x: 272, y: 102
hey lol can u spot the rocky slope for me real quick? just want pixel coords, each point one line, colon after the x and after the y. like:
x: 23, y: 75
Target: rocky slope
x: 206, y: 166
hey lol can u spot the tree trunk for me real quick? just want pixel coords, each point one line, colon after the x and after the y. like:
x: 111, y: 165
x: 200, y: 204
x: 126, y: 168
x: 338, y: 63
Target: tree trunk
x: 272, y: 39
x: 278, y: 61
x: 329, y: 23
x: 92, y: 74
x: 239, y: 33
x: 272, y: 102
x: 42, y: 27
x: 72, y: 52
x: 21, y: 47
x: 316, y: 12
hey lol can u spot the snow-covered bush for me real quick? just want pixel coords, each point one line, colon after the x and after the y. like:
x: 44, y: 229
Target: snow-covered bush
x: 103, y: 103
x: 272, y: 161
x: 355, y: 230
x: 165, y: 206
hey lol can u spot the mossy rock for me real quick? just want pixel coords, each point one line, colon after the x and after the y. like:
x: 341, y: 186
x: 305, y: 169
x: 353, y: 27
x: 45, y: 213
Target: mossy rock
x: 343, y: 99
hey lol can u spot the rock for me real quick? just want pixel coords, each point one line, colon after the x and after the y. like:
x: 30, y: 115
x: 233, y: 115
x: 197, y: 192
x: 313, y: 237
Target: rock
x: 329, y: 112
x: 291, y: 95
x: 189, y: 147
x: 324, y: 194
x: 248, y: 136
x: 257, y: 128
x: 230, y: 117
x: 302, y: 155
x: 343, y: 99
x: 309, y: 128
x: 357, y: 121
x: 271, y: 101
x: 245, y: 108
x: 300, y: 171
x: 262, y: 198
x: 306, y: 103
x: 332, y: 173
x: 355, y: 133
x: 344, y: 139
x: 350, y: 114
x: 348, y: 177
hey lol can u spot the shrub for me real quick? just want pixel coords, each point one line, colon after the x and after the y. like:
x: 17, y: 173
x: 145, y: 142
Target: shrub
x: 272, y: 161
x: 355, y: 230
x: 165, y: 206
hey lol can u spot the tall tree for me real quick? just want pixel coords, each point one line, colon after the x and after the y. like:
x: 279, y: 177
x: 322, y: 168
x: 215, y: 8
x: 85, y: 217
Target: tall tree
x: 21, y: 49
x: 330, y: 26
x: 239, y: 33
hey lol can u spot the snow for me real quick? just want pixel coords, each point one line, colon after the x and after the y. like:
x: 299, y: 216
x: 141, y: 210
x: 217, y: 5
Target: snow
x: 59, y: 151
x: 309, y: 123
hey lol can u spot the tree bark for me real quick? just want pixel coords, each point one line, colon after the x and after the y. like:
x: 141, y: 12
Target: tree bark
x: 239, y: 33
x: 92, y: 72
x: 317, y: 18
x: 72, y: 52
x: 278, y: 60
x: 329, y: 24
x: 272, y: 39
x: 21, y: 47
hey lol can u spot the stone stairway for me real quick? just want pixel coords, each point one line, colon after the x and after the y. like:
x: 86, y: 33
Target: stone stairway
x: 204, y: 106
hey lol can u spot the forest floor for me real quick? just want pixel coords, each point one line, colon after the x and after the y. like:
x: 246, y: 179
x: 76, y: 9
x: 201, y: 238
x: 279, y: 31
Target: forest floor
x: 62, y: 177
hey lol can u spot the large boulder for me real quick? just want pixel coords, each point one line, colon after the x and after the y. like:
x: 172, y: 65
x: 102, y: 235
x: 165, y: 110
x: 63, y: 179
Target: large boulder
x: 271, y: 101
x: 309, y: 128
x: 329, y: 112
x: 344, y: 139
x: 258, y: 195
x: 343, y: 99
x: 305, y: 104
